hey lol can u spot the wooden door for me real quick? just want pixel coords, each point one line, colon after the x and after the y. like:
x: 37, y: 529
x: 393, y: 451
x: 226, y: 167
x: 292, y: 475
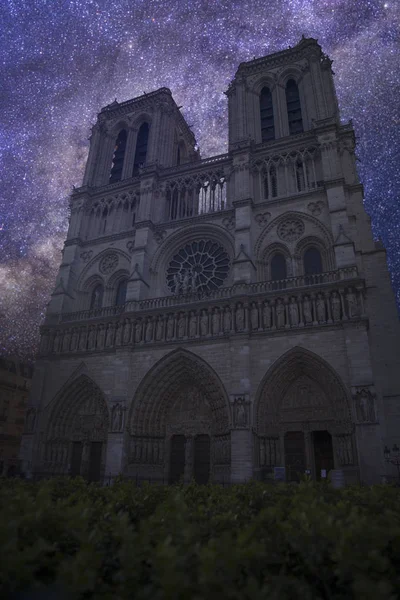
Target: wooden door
x: 323, y: 452
x: 177, y: 458
x: 95, y: 461
x: 201, y: 466
x: 76, y: 459
x: 295, y: 456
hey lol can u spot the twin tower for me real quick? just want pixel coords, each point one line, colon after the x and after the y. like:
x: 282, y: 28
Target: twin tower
x: 223, y: 318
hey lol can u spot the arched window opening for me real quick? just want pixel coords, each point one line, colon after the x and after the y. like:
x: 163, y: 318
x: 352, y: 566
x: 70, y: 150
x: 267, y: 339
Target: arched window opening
x: 266, y: 186
x: 96, y: 299
x: 120, y: 297
x: 178, y: 158
x: 293, y: 108
x: 312, y: 261
x: 118, y: 157
x: 267, y: 115
x: 141, y: 148
x: 301, y: 186
x: 105, y: 215
x: 278, y: 267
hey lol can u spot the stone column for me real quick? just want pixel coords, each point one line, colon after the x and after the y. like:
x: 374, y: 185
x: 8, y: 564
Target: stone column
x: 242, y: 441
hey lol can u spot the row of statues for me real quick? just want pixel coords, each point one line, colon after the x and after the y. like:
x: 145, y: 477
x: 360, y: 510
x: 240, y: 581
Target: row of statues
x: 279, y: 313
x: 147, y: 450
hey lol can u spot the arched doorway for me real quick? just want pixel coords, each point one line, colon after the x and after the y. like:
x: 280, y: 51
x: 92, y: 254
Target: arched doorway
x: 179, y: 423
x: 76, y: 436
x: 303, y: 419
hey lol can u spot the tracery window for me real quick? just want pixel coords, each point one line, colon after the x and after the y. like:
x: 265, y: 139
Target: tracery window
x: 141, y: 148
x: 118, y: 157
x: 312, y: 261
x: 278, y: 267
x: 300, y: 179
x: 293, y: 107
x: 199, y: 266
x: 267, y: 115
x: 96, y: 299
x: 270, y: 183
x: 120, y: 297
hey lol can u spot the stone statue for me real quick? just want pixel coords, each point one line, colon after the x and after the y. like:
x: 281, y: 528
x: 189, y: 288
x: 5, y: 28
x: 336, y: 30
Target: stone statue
x: 138, y: 332
x: 82, y: 339
x: 204, y: 322
x: 280, y: 313
x: 307, y: 310
x: 294, y: 312
x: 195, y: 277
x: 240, y: 318
x: 365, y: 407
x: 149, y: 330
x: 320, y: 304
x: 254, y: 316
x: 335, y: 304
x: 127, y: 332
x: 181, y: 325
x: 344, y: 450
x: 267, y: 315
x: 92, y: 338
x: 118, y: 335
x: 74, y: 341
x: 227, y: 319
x: 109, y: 336
x: 160, y: 329
x: 66, y: 341
x: 101, y: 336
x: 241, y: 416
x: 192, y: 325
x: 352, y: 303
x: 170, y: 327
x: 215, y: 321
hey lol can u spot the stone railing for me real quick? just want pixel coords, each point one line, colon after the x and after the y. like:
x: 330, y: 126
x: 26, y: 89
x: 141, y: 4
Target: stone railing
x: 331, y: 304
x: 261, y: 287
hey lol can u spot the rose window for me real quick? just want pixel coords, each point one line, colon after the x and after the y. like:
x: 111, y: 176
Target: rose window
x: 291, y: 229
x: 198, y: 267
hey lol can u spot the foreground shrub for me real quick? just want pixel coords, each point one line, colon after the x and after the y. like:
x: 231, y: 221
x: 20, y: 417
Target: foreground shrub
x: 75, y: 540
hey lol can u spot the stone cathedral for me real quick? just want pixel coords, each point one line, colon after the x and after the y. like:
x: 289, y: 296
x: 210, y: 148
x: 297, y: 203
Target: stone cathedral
x: 217, y: 318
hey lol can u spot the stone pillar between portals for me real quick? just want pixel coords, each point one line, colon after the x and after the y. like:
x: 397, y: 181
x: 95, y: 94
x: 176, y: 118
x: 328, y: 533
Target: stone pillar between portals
x: 113, y: 456
x: 241, y: 455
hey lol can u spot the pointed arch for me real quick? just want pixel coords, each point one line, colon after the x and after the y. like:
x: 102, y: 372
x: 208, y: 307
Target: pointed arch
x: 160, y: 386
x: 78, y: 416
x: 295, y: 364
x: 142, y: 142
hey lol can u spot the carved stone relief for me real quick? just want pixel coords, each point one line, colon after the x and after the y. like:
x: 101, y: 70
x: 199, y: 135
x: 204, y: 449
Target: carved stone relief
x: 240, y: 411
x: 109, y: 263
x: 290, y: 230
x: 263, y: 218
x: 364, y: 399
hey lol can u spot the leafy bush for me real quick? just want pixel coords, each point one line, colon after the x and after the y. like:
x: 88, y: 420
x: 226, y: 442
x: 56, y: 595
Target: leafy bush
x: 69, y: 539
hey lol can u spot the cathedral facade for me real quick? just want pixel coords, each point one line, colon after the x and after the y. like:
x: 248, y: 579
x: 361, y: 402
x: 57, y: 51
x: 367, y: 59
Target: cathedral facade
x: 218, y: 318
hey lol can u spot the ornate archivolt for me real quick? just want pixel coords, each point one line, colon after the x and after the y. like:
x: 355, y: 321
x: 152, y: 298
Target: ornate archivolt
x: 79, y: 413
x: 179, y: 378
x: 302, y: 388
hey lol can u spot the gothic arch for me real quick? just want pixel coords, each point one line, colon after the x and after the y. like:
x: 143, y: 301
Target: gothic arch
x: 327, y: 255
x: 161, y: 385
x: 333, y: 408
x: 312, y: 222
x: 289, y: 72
x: 92, y: 265
x: 78, y: 413
x: 117, y: 126
x: 264, y: 264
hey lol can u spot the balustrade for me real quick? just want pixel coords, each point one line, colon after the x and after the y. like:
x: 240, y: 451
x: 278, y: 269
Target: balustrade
x: 268, y: 313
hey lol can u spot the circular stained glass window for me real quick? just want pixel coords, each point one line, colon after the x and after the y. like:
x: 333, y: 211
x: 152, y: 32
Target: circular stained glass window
x: 200, y: 266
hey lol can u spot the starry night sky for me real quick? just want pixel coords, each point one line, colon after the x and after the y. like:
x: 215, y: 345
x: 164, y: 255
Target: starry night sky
x: 61, y: 61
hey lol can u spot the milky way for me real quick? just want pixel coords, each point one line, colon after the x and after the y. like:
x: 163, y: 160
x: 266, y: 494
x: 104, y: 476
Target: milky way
x: 61, y: 61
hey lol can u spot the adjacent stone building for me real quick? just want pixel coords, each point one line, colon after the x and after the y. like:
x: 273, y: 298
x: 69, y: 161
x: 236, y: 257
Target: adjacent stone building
x: 15, y: 385
x: 216, y: 318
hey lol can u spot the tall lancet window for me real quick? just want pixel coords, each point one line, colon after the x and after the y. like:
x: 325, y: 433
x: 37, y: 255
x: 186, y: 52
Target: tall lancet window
x: 141, y: 148
x: 118, y: 157
x: 267, y: 115
x: 293, y: 107
x: 96, y: 299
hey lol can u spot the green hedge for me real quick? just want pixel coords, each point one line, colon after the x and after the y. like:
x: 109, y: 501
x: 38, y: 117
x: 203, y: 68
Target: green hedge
x: 253, y: 541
